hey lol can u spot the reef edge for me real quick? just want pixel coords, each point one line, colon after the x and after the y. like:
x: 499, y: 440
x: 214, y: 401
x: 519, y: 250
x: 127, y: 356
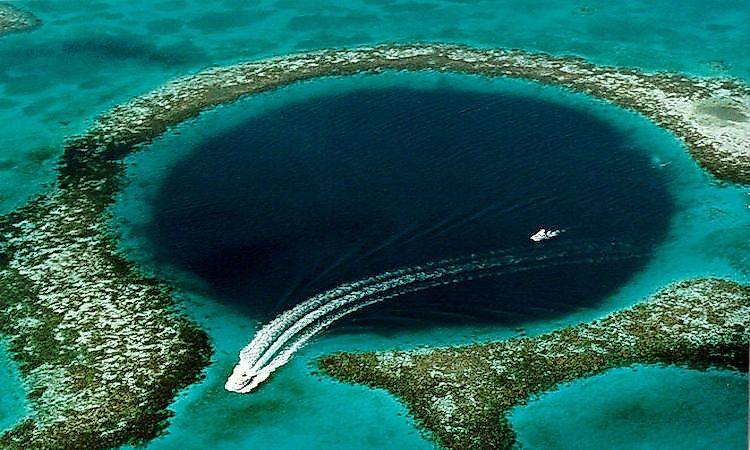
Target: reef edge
x: 462, y: 395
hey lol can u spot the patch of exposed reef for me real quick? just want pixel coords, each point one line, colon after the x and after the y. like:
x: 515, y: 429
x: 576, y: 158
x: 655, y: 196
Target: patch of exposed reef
x: 104, y: 349
x: 462, y: 395
x: 14, y: 19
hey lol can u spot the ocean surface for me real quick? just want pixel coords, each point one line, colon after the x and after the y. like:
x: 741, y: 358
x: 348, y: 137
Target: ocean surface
x: 510, y: 157
x: 340, y: 187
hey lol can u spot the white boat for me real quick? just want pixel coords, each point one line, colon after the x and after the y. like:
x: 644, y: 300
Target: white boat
x: 543, y: 234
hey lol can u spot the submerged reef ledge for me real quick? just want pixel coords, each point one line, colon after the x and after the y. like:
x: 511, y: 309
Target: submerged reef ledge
x: 14, y: 19
x: 462, y: 395
x: 103, y: 349
x: 710, y: 115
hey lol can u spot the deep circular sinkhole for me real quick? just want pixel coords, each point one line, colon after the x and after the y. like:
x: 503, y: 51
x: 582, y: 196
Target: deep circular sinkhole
x: 342, y: 186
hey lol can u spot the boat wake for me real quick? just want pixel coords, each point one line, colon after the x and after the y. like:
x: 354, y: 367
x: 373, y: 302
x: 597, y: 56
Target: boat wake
x: 276, y: 342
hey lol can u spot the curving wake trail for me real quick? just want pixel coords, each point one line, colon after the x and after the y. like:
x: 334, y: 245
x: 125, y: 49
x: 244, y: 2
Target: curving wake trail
x: 276, y: 342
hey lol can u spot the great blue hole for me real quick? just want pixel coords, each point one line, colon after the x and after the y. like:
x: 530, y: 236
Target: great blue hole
x: 341, y: 186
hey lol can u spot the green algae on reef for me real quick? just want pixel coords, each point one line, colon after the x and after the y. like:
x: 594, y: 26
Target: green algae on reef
x: 462, y: 395
x: 103, y: 350
x: 14, y: 19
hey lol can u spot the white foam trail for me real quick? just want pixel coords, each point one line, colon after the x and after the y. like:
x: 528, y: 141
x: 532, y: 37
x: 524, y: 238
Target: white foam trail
x: 281, y: 322
x: 276, y: 342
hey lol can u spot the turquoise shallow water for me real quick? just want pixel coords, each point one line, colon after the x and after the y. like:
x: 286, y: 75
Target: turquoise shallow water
x: 640, y: 408
x: 90, y: 55
x: 12, y: 399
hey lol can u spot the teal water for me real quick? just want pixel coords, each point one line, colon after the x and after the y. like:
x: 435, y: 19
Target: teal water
x: 641, y: 408
x: 90, y: 55
x: 12, y: 399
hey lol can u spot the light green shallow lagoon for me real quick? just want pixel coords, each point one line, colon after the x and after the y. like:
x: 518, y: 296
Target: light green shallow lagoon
x: 90, y: 55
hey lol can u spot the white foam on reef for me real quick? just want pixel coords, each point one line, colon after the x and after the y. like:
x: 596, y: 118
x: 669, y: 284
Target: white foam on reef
x: 276, y: 342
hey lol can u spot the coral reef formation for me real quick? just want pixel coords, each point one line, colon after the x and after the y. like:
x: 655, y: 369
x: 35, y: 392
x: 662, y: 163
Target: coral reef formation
x: 463, y: 394
x: 14, y: 19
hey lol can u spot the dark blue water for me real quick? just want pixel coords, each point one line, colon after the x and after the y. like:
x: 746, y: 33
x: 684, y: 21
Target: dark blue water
x: 339, y: 187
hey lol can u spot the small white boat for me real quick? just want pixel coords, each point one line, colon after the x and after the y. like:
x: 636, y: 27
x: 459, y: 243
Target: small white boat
x: 543, y: 234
